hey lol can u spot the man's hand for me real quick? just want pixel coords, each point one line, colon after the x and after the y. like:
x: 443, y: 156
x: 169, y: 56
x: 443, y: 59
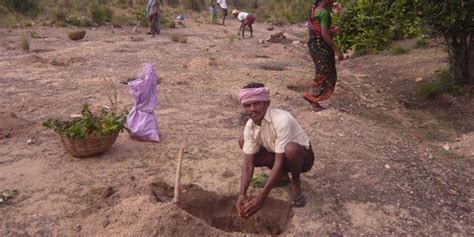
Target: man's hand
x: 253, y: 206
x: 239, y: 205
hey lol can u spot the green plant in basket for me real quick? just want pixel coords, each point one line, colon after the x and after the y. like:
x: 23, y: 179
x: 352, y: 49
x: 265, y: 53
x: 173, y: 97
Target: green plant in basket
x: 104, y: 123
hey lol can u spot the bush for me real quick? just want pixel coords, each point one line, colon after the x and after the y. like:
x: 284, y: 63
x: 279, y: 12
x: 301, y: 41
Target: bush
x: 25, y: 7
x: 420, y: 43
x: 442, y: 83
x: 140, y: 16
x: 118, y: 21
x: 195, y: 5
x: 398, y: 49
x: 6, y: 18
x: 374, y: 24
x: 100, y: 13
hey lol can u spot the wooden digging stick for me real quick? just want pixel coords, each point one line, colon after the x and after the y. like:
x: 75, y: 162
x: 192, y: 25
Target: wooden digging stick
x: 177, y: 182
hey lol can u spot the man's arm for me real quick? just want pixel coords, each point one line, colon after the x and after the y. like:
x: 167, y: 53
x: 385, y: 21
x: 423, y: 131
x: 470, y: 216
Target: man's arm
x: 242, y: 28
x: 255, y: 204
x: 246, y: 176
x: 247, y: 173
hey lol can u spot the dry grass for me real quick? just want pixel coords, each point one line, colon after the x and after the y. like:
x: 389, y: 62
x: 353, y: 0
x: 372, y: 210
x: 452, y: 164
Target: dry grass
x: 25, y: 43
x: 178, y: 38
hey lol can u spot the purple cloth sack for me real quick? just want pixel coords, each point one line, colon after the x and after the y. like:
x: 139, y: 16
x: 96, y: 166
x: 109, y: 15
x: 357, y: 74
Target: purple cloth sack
x: 141, y: 122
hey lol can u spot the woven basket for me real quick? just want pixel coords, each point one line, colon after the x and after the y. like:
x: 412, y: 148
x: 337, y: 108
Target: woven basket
x: 88, y: 147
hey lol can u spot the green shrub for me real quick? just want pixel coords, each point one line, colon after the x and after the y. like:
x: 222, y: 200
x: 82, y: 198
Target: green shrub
x: 167, y: 22
x: 140, y: 16
x: 398, y: 49
x: 25, y: 7
x: 73, y: 20
x: 442, y: 83
x: 118, y: 21
x: 100, y: 13
x: 420, y: 43
x: 195, y: 5
x: 374, y: 24
x: 6, y: 18
x: 60, y: 16
x: 360, y: 52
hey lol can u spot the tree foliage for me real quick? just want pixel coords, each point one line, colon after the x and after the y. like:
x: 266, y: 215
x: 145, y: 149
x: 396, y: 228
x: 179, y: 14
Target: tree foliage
x: 454, y: 21
x: 371, y: 25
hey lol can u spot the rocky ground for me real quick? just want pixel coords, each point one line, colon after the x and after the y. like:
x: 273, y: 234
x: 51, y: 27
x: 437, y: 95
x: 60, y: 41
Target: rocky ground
x: 389, y: 162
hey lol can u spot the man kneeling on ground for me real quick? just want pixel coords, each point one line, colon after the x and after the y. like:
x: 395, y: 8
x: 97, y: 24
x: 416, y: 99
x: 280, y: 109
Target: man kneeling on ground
x: 274, y: 139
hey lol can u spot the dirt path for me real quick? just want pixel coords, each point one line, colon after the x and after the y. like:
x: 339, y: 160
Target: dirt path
x: 381, y: 167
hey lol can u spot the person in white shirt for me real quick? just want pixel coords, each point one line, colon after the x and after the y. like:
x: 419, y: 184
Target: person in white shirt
x: 245, y: 19
x: 223, y: 5
x: 274, y: 139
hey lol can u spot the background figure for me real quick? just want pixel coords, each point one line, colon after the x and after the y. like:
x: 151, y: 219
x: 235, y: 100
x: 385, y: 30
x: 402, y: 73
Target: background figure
x: 223, y: 6
x: 213, y: 11
x: 323, y: 51
x: 245, y: 19
x: 153, y: 15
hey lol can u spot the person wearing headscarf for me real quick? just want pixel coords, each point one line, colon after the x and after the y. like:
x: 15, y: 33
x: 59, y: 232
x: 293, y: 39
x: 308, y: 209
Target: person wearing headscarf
x: 274, y: 139
x: 323, y: 52
x: 245, y: 19
x: 153, y: 15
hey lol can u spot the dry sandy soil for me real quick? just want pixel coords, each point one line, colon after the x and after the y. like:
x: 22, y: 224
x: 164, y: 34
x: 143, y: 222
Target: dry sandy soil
x: 388, y: 161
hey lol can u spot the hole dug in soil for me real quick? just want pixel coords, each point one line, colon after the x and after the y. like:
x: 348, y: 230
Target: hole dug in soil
x: 218, y: 211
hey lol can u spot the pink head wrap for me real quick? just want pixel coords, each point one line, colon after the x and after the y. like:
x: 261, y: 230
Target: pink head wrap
x: 254, y: 94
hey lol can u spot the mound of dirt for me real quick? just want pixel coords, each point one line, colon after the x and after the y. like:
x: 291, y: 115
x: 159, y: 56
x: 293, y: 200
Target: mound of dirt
x: 218, y: 211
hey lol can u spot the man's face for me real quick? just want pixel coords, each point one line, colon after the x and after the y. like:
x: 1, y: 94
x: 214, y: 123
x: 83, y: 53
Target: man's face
x: 256, y: 110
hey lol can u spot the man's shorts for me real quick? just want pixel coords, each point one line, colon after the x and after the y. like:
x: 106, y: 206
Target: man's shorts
x: 225, y: 12
x: 249, y: 20
x: 264, y: 158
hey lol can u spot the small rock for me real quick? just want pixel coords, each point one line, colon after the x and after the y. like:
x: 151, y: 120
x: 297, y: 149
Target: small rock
x: 446, y: 147
x: 31, y: 141
x: 361, y: 76
x: 453, y: 192
x: 270, y: 28
x: 108, y: 192
x: 105, y: 223
x: 261, y: 41
x: 418, y: 79
x: 340, y: 134
x: 387, y: 166
x: 13, y: 115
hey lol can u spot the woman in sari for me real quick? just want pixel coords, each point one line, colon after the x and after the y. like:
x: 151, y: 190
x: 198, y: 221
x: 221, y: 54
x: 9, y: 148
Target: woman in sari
x: 323, y: 52
x: 153, y: 15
